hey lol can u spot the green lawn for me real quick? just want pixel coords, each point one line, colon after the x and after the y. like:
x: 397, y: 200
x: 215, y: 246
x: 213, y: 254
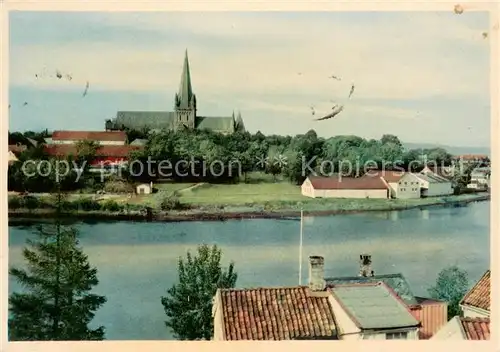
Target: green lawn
x: 242, y: 193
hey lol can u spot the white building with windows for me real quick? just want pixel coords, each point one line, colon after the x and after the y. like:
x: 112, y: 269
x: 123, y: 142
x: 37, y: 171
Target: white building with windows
x: 433, y: 185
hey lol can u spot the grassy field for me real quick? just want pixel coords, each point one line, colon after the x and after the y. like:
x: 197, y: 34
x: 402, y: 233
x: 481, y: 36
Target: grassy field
x: 263, y: 193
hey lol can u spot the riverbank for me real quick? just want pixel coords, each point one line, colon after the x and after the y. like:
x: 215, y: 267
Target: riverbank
x: 276, y: 210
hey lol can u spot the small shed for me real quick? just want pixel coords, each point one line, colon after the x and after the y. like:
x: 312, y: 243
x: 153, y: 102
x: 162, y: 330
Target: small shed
x: 145, y: 188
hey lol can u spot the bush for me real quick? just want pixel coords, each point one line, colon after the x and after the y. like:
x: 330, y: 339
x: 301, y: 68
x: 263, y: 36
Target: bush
x: 15, y: 202
x: 30, y: 202
x: 118, y: 186
x: 111, y: 205
x: 170, y: 203
x: 86, y: 204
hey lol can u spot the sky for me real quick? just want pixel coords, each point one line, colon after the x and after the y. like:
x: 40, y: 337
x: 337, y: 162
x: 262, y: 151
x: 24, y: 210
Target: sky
x: 423, y: 76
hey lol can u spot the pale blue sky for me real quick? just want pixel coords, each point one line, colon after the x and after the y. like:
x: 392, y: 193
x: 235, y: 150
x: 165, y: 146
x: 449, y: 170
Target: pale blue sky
x: 421, y: 76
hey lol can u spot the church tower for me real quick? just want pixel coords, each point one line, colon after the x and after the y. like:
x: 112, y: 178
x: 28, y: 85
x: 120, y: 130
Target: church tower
x: 185, y: 100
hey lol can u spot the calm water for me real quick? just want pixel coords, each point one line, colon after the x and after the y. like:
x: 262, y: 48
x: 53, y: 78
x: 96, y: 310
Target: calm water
x: 137, y: 262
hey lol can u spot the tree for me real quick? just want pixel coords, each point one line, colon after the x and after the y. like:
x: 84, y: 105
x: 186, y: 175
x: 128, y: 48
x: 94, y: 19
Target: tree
x: 56, y: 303
x: 451, y: 286
x: 189, y: 302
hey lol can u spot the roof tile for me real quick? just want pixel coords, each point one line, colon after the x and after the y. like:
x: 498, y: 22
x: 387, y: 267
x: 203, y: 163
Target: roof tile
x: 479, y: 295
x: 341, y: 182
x: 476, y: 328
x: 90, y: 135
x: 388, y: 175
x: 275, y: 314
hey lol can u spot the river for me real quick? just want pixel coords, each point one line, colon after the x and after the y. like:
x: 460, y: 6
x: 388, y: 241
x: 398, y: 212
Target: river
x: 137, y: 262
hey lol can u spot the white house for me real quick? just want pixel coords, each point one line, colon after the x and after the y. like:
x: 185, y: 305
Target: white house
x: 434, y: 185
x: 145, y: 188
x: 476, y: 303
x: 479, y: 178
x: 103, y: 138
x: 371, y: 311
x: 403, y: 185
x: 345, y: 187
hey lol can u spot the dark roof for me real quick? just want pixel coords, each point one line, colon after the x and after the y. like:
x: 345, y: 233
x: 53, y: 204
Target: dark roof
x: 145, y: 119
x: 90, y: 135
x: 185, y: 95
x: 374, y: 305
x: 388, y: 175
x: 479, y: 294
x: 476, y: 328
x: 16, y: 148
x: 221, y: 124
x: 341, y: 182
x: 440, y: 171
x: 102, y: 151
x: 432, y: 177
x: 285, y: 313
x: 395, y: 281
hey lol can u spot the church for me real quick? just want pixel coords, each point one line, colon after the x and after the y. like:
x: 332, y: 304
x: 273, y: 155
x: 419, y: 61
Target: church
x: 183, y: 116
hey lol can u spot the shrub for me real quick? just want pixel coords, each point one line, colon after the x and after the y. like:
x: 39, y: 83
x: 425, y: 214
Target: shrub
x: 170, y: 203
x: 86, y: 204
x: 118, y: 186
x: 111, y: 205
x: 15, y: 202
x: 30, y: 202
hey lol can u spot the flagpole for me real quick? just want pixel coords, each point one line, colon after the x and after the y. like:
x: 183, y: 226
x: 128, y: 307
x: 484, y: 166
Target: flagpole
x: 300, y: 246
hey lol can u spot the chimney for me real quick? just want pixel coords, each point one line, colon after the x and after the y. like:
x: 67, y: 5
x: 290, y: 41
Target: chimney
x: 316, y: 273
x: 365, y: 265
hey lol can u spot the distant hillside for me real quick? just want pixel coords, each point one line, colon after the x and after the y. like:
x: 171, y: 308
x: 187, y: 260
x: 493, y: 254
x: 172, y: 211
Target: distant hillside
x: 451, y: 149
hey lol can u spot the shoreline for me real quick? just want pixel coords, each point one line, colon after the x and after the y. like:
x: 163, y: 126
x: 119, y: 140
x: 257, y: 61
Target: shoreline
x: 20, y: 215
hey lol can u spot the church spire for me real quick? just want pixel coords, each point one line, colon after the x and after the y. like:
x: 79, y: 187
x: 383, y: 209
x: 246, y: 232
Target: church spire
x: 185, y: 90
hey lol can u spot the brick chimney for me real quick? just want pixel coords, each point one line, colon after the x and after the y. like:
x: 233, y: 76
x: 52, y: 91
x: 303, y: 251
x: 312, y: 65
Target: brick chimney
x: 316, y: 273
x: 365, y: 265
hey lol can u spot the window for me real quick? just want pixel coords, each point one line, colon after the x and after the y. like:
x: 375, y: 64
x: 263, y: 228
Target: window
x: 396, y: 335
x: 406, y: 183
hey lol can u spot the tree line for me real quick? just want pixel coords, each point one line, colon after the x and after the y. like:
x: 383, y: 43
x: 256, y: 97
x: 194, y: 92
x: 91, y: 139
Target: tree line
x: 231, y: 157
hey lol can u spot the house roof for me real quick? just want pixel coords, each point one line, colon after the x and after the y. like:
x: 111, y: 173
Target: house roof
x: 472, y: 156
x: 225, y: 123
x: 388, y: 175
x: 89, y: 135
x: 103, y: 151
x: 440, y: 171
x: 16, y: 148
x: 275, y: 314
x: 432, y: 178
x: 395, y: 281
x: 475, y: 328
x: 479, y: 294
x: 374, y: 306
x: 145, y: 119
x: 139, y: 141
x: 340, y: 182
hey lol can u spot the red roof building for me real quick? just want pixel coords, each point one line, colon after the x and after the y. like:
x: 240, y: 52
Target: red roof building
x: 345, y: 187
x: 463, y: 328
x: 104, y: 138
x: 105, y: 154
x: 284, y: 313
x: 476, y: 303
